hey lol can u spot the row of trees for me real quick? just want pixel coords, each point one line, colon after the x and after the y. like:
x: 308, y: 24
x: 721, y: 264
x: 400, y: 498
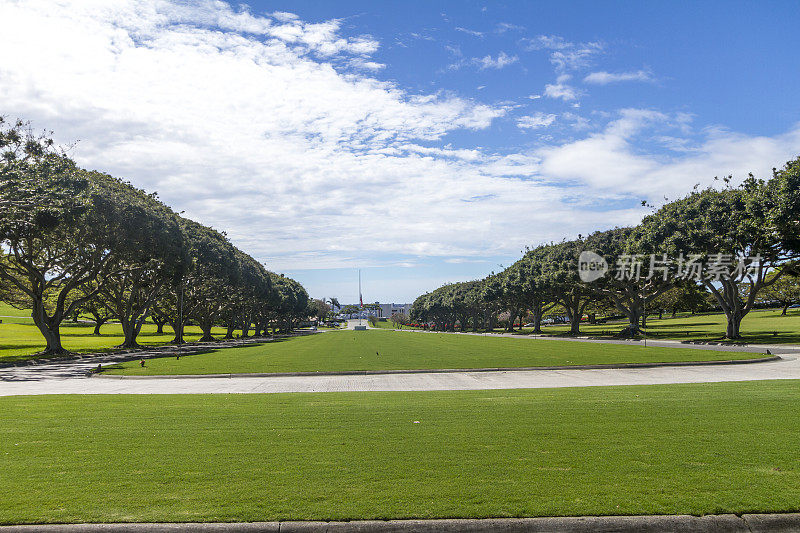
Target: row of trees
x: 77, y: 241
x: 735, y: 243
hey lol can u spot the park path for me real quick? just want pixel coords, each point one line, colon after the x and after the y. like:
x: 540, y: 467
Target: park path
x: 71, y: 378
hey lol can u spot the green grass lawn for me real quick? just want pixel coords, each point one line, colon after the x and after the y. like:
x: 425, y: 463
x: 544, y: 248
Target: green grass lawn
x: 662, y: 449
x: 389, y: 325
x: 19, y: 339
x: 388, y: 350
x: 758, y: 327
x: 12, y: 315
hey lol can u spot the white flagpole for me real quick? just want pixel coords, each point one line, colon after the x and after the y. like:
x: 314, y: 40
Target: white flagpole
x: 360, y: 298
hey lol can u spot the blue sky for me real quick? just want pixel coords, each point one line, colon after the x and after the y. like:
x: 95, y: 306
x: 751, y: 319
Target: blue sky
x: 424, y: 142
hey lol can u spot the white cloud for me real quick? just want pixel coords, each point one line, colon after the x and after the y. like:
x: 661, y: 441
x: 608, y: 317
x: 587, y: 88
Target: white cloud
x: 261, y: 126
x: 565, y: 55
x: 362, y: 63
x: 537, y: 120
x: 503, y: 27
x: 565, y: 60
x: 453, y: 49
x: 546, y: 42
x: 609, y: 160
x: 604, y: 78
x: 469, y: 32
x: 561, y: 89
x: 502, y: 60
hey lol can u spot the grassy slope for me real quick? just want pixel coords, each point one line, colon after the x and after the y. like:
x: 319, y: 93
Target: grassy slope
x: 699, y: 448
x: 758, y: 326
x: 350, y: 350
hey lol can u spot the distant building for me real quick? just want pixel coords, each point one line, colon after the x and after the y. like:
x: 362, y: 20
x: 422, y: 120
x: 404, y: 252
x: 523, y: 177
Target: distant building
x: 387, y: 310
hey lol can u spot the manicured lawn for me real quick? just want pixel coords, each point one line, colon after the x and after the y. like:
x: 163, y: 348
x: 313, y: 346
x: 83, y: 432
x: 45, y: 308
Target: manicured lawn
x: 384, y: 350
x: 390, y: 325
x: 699, y: 448
x: 12, y: 315
x: 381, y: 325
x: 19, y: 338
x: 758, y: 327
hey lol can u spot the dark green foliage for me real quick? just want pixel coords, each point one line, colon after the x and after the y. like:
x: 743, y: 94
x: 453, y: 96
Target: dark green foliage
x: 75, y: 239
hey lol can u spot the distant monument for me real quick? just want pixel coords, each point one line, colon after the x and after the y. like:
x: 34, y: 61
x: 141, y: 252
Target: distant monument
x: 360, y: 327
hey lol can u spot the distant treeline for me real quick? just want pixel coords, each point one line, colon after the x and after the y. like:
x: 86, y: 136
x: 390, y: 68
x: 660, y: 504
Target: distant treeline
x: 740, y: 245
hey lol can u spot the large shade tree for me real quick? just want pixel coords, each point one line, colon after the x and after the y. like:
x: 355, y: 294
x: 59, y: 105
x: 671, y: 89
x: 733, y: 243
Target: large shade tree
x: 731, y: 235
x: 638, y: 273
x: 537, y: 294
x: 145, y: 262
x: 66, y: 230
x: 560, y: 273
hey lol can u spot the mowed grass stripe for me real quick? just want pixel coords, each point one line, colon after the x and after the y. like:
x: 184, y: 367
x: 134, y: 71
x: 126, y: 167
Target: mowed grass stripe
x: 387, y: 350
x: 698, y: 448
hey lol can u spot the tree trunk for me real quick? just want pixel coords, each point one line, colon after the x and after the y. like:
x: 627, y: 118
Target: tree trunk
x: 52, y: 337
x: 674, y: 312
x: 785, y: 309
x: 206, y: 326
x: 536, y: 309
x: 512, y: 316
x: 130, y: 328
x: 734, y: 325
x: 97, y: 325
x: 177, y: 327
x: 728, y: 299
x: 49, y: 328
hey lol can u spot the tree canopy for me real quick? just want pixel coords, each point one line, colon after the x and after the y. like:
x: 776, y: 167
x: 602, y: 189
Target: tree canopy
x: 73, y: 239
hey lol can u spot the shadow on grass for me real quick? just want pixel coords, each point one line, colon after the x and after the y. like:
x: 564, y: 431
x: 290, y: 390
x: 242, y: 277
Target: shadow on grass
x: 660, y: 325
x: 197, y: 351
x: 146, y: 351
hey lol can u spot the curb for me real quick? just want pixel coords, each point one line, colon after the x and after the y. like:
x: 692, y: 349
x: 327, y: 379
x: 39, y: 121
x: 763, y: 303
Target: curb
x: 445, y: 370
x: 750, y: 523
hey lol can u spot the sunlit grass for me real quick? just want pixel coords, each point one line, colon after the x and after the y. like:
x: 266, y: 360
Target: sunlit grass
x: 389, y: 350
x: 666, y: 449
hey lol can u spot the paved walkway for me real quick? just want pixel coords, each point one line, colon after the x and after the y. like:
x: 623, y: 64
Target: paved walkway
x: 353, y: 322
x: 746, y: 523
x: 71, y: 378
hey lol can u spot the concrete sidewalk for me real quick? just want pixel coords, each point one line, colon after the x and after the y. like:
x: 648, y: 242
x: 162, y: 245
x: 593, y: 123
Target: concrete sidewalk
x: 729, y: 523
x: 70, y: 376
x: 23, y: 381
